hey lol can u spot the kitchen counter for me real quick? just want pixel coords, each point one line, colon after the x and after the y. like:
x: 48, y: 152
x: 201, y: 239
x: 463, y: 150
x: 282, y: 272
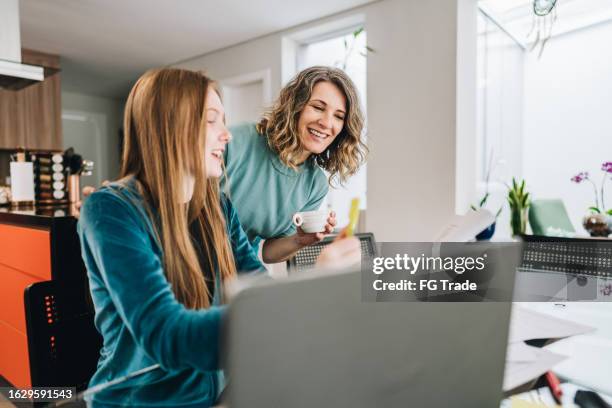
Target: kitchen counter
x: 39, y: 216
x: 44, y: 232
x: 38, y: 246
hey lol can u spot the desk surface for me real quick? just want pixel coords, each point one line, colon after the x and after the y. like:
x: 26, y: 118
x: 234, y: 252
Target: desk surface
x: 589, y: 355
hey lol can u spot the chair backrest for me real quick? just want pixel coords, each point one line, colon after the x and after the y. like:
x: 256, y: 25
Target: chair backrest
x: 306, y: 257
x: 63, y: 342
x: 549, y: 218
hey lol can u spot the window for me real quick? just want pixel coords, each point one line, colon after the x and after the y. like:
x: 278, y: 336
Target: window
x: 499, y: 103
x: 345, y: 50
x: 545, y: 115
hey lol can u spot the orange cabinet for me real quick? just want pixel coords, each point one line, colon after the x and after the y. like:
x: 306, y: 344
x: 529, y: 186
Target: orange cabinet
x: 26, y: 249
x: 14, y: 283
x: 24, y: 259
x: 14, y: 360
x: 39, y: 246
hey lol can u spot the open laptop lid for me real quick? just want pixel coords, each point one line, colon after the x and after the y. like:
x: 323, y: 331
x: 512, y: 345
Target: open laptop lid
x: 313, y: 342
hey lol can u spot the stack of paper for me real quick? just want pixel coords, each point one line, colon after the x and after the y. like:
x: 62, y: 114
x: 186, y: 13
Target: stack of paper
x: 525, y: 363
x: 527, y: 324
x: 464, y: 228
x: 591, y: 362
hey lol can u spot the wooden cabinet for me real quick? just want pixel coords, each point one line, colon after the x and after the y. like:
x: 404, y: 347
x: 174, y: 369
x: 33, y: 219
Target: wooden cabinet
x: 32, y: 116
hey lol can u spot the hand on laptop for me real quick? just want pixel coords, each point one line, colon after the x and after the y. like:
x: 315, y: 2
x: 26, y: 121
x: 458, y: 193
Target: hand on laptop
x: 344, y: 252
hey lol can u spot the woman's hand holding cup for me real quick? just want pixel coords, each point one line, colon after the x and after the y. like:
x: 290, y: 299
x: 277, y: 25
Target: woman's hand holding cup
x: 312, y: 226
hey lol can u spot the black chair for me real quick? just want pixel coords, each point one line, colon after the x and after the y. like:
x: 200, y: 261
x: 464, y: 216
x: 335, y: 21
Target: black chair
x: 63, y: 342
x: 306, y: 257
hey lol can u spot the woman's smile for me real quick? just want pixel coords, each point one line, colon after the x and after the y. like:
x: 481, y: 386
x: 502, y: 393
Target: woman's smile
x: 217, y: 153
x: 317, y: 135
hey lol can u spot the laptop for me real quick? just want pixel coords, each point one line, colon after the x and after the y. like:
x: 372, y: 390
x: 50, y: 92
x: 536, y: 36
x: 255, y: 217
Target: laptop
x: 312, y: 341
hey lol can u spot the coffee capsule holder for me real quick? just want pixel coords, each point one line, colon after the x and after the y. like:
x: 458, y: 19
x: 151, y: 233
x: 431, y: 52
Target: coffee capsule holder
x: 50, y: 183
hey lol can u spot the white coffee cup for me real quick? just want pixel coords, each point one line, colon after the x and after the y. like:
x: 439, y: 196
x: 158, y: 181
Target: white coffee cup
x: 311, y: 221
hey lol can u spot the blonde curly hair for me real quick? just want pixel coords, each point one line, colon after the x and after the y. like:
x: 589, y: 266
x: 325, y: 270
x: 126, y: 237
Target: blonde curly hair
x: 345, y: 154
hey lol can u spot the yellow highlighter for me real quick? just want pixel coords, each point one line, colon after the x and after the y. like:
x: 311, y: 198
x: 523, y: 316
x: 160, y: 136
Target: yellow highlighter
x: 353, y: 217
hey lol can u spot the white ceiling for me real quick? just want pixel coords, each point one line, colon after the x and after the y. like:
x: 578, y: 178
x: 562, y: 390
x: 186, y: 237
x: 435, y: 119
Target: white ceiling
x: 106, y: 44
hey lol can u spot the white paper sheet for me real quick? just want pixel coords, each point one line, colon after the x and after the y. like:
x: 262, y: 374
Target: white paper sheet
x: 590, y: 363
x: 520, y: 372
x: 520, y: 352
x: 527, y: 324
x: 464, y: 228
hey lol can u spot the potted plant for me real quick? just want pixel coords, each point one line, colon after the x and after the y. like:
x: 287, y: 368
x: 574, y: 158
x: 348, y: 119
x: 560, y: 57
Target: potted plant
x: 488, y: 232
x: 598, y: 222
x: 518, y: 200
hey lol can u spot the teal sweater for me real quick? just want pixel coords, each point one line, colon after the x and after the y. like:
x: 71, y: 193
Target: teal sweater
x: 265, y: 192
x: 136, y: 312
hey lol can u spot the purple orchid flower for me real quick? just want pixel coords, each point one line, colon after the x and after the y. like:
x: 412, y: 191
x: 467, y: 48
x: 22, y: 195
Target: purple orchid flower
x: 580, y: 177
x: 600, y: 205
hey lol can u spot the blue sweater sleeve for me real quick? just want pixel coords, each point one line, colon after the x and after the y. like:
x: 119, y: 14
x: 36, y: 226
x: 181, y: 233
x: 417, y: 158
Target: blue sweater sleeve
x: 244, y: 255
x: 117, y: 248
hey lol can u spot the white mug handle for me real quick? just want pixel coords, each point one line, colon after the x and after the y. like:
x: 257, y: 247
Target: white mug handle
x: 297, y: 220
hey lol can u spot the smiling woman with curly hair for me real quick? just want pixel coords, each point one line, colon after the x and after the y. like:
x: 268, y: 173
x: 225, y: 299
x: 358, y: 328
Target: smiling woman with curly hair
x: 315, y: 124
x: 344, y: 153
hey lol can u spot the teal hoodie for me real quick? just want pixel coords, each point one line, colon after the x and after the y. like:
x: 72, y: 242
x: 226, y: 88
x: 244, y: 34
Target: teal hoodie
x: 137, y: 314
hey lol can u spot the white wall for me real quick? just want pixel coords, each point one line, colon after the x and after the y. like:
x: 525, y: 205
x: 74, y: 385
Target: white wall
x: 411, y: 117
x: 411, y: 109
x: 110, y: 115
x: 466, y: 106
x: 243, y: 103
x: 252, y: 56
x: 567, y: 117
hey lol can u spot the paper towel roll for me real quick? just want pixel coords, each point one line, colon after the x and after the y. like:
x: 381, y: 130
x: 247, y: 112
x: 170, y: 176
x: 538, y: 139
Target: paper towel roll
x: 22, y: 181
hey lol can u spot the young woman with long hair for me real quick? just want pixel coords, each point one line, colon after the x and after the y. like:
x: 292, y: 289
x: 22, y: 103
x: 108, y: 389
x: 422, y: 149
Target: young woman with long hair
x: 315, y: 124
x: 160, y: 242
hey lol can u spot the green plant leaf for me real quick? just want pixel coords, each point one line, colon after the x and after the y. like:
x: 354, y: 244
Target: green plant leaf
x: 473, y: 208
x: 357, y: 32
x: 525, y: 200
x: 369, y: 49
x: 595, y: 210
x: 609, y: 212
x: 484, y: 200
x: 498, y: 212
